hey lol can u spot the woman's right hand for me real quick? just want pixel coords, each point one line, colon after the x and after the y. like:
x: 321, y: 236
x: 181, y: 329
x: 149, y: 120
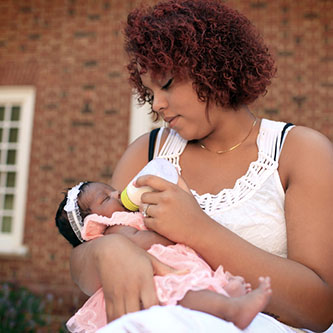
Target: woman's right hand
x: 124, y: 271
x: 172, y: 211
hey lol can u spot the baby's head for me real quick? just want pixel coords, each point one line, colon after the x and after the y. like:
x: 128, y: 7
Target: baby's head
x: 81, y: 200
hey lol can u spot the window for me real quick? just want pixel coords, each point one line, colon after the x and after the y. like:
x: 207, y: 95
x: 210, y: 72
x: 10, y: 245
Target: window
x: 16, y: 115
x: 141, y: 121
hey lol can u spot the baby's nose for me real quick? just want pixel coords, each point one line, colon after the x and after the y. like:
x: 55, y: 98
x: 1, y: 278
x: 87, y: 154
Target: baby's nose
x: 115, y: 194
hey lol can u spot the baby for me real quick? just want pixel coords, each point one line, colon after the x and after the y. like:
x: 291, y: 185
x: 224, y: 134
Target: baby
x: 91, y: 210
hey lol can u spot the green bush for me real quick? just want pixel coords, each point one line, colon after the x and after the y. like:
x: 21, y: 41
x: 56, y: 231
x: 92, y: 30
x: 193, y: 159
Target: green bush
x: 20, y: 310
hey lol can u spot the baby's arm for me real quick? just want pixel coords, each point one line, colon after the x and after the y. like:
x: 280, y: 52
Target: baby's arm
x: 143, y: 238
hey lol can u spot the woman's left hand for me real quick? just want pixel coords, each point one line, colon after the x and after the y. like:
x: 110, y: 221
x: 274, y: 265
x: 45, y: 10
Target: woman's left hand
x: 171, y: 211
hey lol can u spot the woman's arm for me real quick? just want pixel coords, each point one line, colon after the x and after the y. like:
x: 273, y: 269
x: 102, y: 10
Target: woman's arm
x: 112, y: 260
x: 94, y: 264
x: 302, y: 283
x: 131, y: 162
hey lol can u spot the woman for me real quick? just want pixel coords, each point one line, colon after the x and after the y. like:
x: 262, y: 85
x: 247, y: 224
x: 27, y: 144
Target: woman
x: 262, y: 189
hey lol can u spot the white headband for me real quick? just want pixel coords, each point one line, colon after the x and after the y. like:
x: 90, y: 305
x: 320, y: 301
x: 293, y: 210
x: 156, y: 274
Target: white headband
x: 73, y: 211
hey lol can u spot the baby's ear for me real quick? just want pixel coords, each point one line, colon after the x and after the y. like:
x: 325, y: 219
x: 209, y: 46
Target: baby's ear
x: 181, y: 183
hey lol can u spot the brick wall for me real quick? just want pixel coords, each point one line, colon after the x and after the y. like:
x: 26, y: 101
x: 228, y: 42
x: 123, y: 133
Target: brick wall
x: 71, y: 51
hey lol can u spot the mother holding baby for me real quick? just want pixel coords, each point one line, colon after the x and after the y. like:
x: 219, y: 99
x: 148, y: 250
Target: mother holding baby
x: 262, y: 189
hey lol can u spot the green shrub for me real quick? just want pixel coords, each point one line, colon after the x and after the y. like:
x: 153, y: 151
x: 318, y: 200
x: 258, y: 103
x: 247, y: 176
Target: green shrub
x: 20, y: 310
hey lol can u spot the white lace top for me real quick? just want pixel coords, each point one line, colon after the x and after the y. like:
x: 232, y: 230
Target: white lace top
x: 254, y: 208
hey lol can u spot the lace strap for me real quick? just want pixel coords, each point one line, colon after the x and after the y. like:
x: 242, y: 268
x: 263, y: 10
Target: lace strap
x: 172, y: 149
x: 272, y: 136
x: 285, y: 130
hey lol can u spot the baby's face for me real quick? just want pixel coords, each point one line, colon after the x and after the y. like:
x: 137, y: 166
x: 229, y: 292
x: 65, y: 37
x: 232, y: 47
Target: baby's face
x: 102, y: 199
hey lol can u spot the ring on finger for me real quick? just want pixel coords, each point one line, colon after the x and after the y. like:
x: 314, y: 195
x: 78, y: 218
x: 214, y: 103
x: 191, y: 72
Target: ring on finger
x: 145, y: 213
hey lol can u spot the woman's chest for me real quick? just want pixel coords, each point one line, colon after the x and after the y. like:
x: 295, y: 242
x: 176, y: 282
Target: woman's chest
x: 255, y: 214
x: 211, y: 173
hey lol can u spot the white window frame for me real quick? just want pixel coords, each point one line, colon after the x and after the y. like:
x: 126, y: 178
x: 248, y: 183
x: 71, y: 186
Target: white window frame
x: 141, y: 121
x: 24, y: 96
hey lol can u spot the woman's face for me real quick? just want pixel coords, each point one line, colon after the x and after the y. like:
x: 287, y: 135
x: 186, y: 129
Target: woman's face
x: 101, y: 199
x: 178, y: 105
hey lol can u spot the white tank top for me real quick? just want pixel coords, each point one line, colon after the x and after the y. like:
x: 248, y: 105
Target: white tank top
x: 254, y: 207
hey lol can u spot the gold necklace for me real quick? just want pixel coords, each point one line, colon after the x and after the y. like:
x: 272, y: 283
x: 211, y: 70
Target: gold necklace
x: 233, y: 147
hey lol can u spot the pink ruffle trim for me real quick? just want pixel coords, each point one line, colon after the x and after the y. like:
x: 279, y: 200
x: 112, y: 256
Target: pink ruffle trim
x: 90, y: 317
x: 171, y: 288
x: 94, y: 225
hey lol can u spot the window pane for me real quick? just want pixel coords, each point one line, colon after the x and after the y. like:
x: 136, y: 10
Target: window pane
x: 2, y: 113
x: 11, y: 176
x: 15, y: 115
x: 11, y: 157
x: 13, y: 134
x: 6, y: 224
x: 9, y: 201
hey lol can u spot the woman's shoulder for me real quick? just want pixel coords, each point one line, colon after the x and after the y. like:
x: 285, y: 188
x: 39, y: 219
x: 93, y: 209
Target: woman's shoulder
x: 131, y: 162
x: 142, y: 142
x: 134, y: 159
x: 307, y: 151
x: 300, y: 138
x: 308, y: 140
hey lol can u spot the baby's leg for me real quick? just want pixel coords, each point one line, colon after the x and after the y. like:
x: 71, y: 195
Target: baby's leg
x: 238, y: 310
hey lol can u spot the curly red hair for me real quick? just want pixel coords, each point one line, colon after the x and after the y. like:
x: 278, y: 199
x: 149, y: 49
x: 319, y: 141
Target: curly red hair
x: 204, y: 40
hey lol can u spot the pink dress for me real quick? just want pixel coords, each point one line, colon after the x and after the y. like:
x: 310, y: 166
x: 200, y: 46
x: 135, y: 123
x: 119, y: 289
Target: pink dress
x: 170, y: 288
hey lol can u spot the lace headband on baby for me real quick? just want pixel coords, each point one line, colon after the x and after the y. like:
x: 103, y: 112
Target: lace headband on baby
x: 73, y: 211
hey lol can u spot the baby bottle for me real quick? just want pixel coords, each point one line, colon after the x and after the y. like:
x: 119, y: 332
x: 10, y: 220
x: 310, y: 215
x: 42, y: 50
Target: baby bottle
x: 131, y: 195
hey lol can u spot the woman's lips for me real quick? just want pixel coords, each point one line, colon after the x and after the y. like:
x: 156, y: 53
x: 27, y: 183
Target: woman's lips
x: 171, y: 121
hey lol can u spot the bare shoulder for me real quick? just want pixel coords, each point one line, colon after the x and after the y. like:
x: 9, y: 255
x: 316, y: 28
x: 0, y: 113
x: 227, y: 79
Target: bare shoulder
x: 307, y: 149
x: 132, y: 161
x: 309, y: 137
